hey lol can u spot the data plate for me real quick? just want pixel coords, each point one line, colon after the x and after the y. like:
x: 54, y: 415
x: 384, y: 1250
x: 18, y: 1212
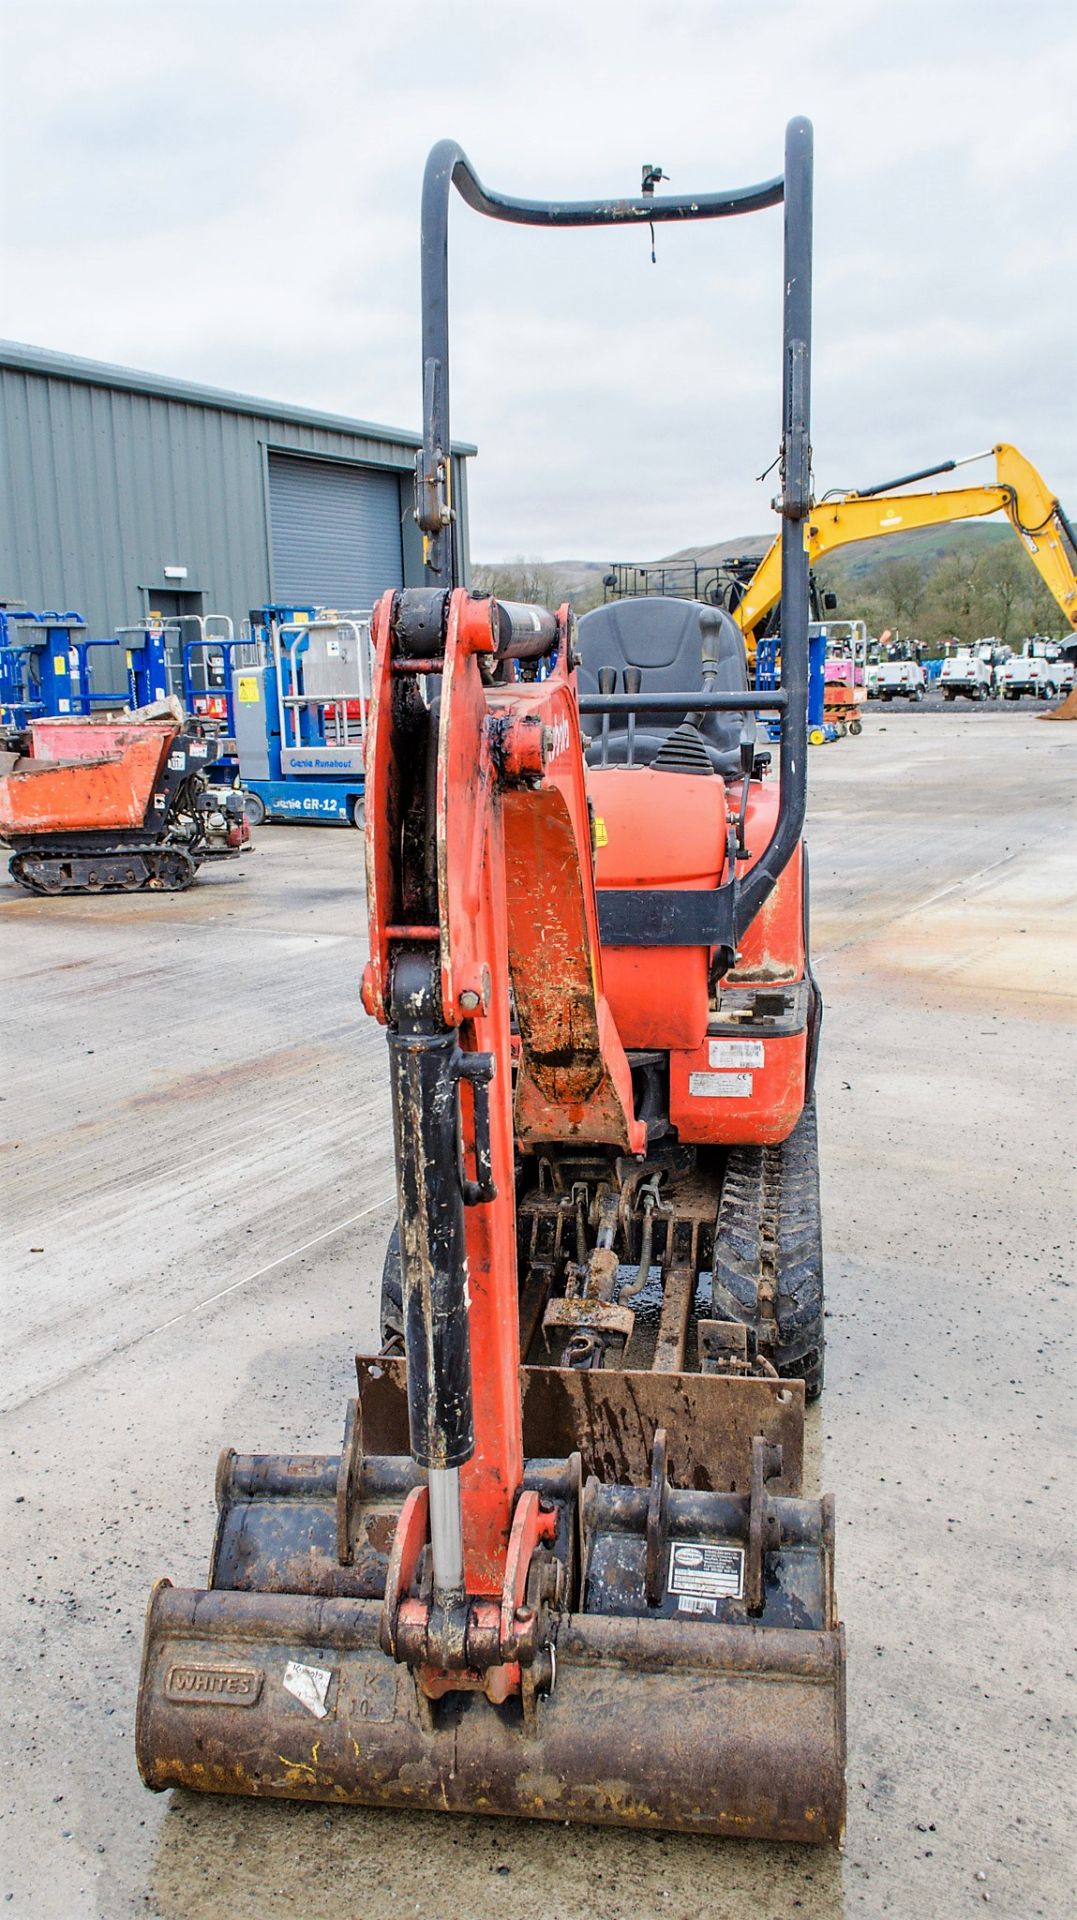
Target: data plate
x: 701, y: 1574
x: 736, y: 1053
x: 720, y: 1086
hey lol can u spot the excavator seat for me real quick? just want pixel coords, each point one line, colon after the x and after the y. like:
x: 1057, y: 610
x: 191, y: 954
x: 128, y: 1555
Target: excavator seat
x: 662, y: 638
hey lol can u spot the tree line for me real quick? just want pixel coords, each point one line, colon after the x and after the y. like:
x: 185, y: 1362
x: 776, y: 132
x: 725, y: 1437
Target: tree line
x: 962, y: 595
x: 970, y: 593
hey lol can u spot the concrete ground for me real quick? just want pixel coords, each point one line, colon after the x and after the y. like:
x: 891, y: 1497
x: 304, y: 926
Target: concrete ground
x: 197, y: 1197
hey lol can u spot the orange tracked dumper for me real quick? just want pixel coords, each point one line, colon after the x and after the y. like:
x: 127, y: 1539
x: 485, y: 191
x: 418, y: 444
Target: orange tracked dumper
x: 563, y: 1565
x: 115, y: 803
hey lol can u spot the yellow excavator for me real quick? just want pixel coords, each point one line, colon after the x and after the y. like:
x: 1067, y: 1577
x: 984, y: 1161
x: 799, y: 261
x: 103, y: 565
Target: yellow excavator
x: 840, y: 519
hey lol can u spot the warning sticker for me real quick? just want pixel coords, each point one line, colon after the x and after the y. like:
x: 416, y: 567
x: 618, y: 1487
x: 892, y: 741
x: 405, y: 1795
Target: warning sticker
x: 736, y: 1053
x: 309, y: 1685
x: 248, y: 690
x: 700, y: 1571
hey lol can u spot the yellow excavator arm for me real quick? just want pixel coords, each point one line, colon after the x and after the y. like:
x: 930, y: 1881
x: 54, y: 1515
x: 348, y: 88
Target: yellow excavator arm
x: 1019, y: 492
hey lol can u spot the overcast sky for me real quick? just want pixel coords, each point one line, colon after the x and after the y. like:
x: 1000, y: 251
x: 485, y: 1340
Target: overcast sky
x: 229, y: 192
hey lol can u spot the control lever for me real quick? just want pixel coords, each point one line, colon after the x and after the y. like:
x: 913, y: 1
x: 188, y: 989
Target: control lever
x: 607, y: 684
x: 710, y: 642
x: 747, y: 762
x: 633, y: 683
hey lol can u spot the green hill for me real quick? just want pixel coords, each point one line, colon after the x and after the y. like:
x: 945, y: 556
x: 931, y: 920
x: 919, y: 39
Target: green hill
x: 933, y: 583
x: 859, y: 566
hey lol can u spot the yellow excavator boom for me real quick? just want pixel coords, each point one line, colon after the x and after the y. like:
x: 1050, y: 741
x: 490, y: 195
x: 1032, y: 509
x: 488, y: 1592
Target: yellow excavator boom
x: 840, y: 520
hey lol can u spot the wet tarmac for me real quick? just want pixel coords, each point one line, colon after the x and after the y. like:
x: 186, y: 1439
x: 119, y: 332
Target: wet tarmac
x: 197, y: 1195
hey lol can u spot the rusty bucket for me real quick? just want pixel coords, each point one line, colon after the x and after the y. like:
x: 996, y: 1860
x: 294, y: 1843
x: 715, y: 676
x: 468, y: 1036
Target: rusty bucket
x: 698, y: 1671
x: 692, y: 1727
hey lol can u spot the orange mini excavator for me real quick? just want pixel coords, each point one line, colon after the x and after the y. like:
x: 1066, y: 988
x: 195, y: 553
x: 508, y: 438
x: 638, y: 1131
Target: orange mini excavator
x: 563, y: 1565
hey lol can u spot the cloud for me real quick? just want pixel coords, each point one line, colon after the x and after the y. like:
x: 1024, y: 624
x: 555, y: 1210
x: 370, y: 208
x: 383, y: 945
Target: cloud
x: 230, y: 194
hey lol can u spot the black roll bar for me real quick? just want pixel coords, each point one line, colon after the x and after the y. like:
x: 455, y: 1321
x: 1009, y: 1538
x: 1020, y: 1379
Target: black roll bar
x: 447, y: 167
x: 759, y: 881
x: 696, y: 702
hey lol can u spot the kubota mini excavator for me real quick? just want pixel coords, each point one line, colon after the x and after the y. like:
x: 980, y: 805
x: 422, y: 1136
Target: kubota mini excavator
x: 563, y: 1565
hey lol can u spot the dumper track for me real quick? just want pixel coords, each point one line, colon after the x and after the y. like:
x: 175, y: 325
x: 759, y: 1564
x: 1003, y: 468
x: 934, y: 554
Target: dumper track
x: 768, y: 1252
x: 118, y: 869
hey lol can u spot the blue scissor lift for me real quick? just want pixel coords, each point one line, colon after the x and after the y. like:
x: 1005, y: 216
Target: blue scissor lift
x: 206, y: 656
x: 300, y: 717
x: 149, y: 673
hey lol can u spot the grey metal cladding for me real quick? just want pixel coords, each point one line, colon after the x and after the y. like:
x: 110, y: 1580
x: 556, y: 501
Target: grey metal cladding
x: 107, y: 476
x: 336, y: 532
x: 102, y: 373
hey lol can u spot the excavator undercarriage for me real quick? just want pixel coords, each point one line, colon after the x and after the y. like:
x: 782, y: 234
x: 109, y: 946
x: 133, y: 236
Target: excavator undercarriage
x: 631, y: 1263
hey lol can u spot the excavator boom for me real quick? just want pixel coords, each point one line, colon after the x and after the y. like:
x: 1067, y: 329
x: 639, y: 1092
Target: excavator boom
x: 842, y: 519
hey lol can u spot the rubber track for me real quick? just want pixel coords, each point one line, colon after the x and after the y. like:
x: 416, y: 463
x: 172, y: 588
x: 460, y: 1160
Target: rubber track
x: 155, y: 854
x: 768, y: 1217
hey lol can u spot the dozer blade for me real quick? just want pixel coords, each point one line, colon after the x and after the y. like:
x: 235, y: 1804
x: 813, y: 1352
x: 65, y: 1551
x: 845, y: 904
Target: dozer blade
x: 684, y: 1725
x: 610, y: 1416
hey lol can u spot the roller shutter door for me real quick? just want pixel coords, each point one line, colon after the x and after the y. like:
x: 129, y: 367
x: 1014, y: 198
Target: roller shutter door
x: 336, y: 532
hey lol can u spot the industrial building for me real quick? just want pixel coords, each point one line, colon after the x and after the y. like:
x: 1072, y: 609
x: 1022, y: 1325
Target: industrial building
x: 123, y: 493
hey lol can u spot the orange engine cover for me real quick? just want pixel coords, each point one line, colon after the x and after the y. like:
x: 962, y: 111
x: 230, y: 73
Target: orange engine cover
x: 657, y: 829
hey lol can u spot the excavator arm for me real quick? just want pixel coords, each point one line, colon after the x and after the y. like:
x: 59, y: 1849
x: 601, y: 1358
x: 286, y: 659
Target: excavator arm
x: 1046, y: 533
x: 1019, y: 492
x: 479, y: 874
